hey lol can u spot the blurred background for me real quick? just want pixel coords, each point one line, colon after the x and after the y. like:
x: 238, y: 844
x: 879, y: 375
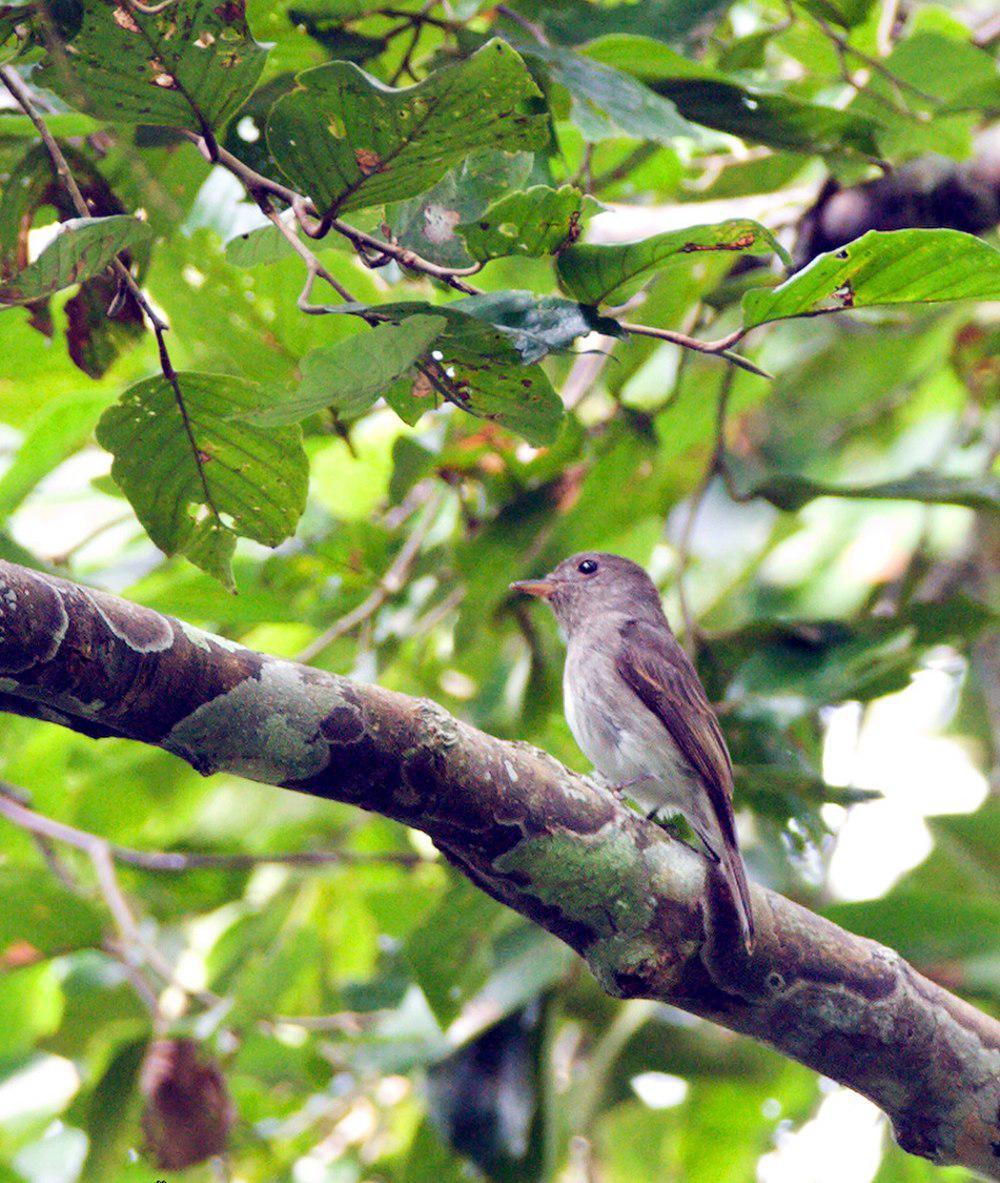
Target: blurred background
x: 366, y: 1014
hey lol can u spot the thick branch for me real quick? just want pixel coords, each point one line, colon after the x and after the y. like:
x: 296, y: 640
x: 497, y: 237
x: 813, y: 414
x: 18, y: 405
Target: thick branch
x: 649, y: 914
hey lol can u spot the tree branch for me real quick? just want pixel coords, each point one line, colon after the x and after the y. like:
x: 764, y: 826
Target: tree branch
x: 649, y: 914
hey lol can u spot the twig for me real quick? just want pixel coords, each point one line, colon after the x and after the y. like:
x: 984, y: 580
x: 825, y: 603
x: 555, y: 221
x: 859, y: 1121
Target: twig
x: 22, y: 96
x: 258, y: 186
x: 720, y: 348
x: 529, y: 26
x: 314, y: 267
x: 407, y: 258
x: 389, y: 585
x: 12, y: 807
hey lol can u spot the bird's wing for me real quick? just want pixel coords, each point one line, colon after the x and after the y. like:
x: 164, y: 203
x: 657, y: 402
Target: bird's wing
x: 659, y: 672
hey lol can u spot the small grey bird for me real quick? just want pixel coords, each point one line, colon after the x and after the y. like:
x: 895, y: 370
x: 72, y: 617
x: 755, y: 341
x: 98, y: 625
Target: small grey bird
x: 637, y: 708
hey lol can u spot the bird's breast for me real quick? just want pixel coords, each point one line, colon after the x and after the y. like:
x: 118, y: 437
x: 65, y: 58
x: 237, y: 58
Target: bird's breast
x: 621, y: 737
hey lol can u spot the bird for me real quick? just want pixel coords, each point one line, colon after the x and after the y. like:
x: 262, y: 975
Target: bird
x: 637, y: 708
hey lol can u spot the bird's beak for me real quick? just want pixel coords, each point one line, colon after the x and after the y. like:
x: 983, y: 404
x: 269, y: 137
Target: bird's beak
x: 541, y: 588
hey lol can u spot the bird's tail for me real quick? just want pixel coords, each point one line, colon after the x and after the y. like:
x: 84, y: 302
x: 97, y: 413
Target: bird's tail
x: 727, y: 854
x: 736, y: 876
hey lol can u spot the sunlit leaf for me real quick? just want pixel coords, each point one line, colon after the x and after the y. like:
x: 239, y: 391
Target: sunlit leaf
x: 536, y: 221
x: 884, y: 267
x: 350, y: 375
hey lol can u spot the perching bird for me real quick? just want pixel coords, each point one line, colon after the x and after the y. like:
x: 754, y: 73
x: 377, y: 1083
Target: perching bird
x: 637, y: 707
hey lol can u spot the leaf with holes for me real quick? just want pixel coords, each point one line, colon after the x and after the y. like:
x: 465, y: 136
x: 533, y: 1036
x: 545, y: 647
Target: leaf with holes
x: 81, y: 249
x: 350, y: 375
x: 884, y: 267
x: 190, y: 65
x: 532, y: 222
x: 197, y: 480
x: 599, y: 274
x: 350, y: 141
x: 479, y: 367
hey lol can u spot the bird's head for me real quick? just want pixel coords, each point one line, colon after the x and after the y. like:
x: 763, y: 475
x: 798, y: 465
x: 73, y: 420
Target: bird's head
x: 590, y: 584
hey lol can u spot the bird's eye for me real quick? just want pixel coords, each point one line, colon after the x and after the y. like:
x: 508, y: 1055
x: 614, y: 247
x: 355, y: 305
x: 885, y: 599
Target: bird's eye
x: 587, y: 567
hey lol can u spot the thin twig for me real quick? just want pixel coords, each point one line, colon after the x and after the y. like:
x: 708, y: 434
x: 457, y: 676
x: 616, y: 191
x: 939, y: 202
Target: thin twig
x: 314, y: 267
x: 391, y: 583
x: 529, y: 26
x: 48, y: 828
x: 720, y: 348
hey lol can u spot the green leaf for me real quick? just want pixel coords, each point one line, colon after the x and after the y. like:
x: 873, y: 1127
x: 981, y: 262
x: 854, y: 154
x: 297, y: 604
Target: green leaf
x: 350, y: 375
x: 846, y: 13
x: 599, y: 274
x: 926, y: 926
x: 717, y: 100
x: 181, y: 476
x: 40, y: 911
x: 482, y: 364
x: 31, y: 1006
x: 884, y: 267
x: 350, y: 141
x: 532, y: 222
x: 190, y: 65
x: 538, y: 325
x: 111, y: 1117
x: 452, y: 954
x: 265, y: 244
x: 82, y: 248
x: 608, y: 102
x: 57, y: 431
x: 791, y: 492
x: 429, y: 224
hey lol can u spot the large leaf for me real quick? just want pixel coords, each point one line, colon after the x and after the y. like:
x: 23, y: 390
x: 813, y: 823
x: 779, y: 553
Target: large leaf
x: 350, y: 375
x: 926, y: 926
x: 182, y: 472
x: 598, y: 274
x: 82, y: 248
x: 350, y: 141
x: 488, y: 353
x: 189, y: 65
x: 531, y: 222
x: 884, y: 267
x: 608, y: 102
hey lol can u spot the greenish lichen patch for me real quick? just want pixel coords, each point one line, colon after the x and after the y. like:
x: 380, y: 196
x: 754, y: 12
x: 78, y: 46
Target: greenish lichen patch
x: 267, y: 728
x: 592, y: 880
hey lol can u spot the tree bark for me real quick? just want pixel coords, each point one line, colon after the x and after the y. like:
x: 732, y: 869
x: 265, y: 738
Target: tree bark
x: 651, y: 917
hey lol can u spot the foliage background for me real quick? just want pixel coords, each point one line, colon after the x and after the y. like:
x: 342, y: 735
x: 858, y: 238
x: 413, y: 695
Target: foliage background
x: 373, y: 1016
